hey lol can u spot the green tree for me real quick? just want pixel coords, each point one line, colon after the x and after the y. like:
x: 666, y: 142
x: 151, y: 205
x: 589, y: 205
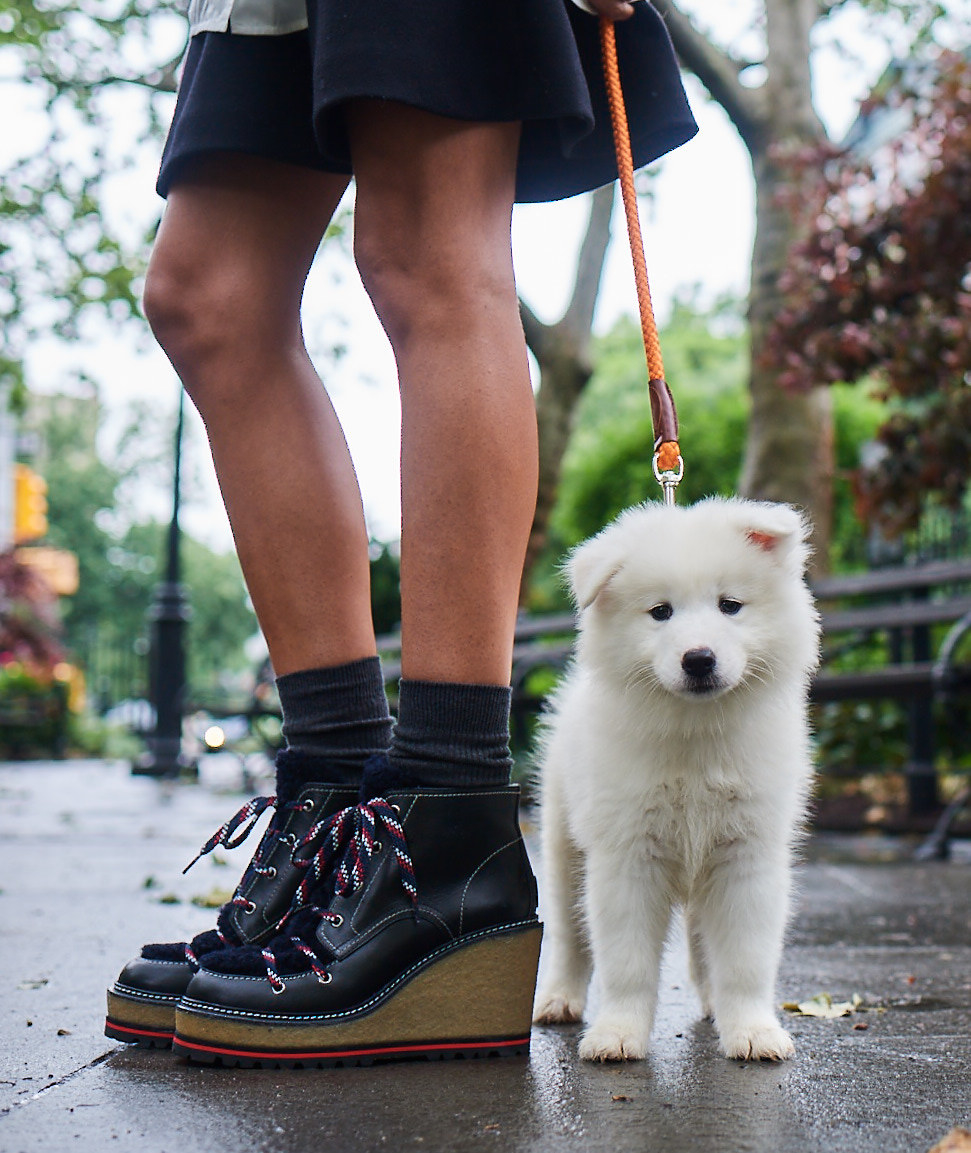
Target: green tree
x: 120, y: 554
x: 768, y: 95
x: 87, y: 78
x: 878, y: 289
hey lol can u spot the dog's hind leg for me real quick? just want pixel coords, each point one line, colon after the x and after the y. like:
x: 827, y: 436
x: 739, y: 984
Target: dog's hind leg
x: 698, y: 961
x: 565, y: 971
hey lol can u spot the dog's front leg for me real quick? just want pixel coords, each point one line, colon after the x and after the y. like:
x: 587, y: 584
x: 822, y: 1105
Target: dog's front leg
x: 628, y: 905
x: 741, y: 917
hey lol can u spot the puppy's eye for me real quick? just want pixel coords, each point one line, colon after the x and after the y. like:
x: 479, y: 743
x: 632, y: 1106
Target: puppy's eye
x: 729, y: 606
x: 662, y: 612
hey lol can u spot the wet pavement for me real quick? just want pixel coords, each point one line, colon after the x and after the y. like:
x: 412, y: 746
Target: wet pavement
x: 90, y: 867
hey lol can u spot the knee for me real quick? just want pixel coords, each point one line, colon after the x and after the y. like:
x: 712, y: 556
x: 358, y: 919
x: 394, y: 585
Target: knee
x: 207, y: 319
x: 431, y: 289
x: 182, y: 307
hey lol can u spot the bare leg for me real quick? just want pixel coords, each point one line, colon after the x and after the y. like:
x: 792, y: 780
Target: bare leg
x: 223, y: 297
x: 432, y: 238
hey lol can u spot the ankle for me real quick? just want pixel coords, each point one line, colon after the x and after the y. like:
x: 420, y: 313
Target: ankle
x: 450, y: 735
x: 338, y: 715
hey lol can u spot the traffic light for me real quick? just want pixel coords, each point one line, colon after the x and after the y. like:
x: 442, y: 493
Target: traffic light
x: 29, y: 505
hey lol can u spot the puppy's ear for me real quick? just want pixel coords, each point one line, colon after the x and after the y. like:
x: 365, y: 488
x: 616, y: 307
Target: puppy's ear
x: 591, y: 567
x: 777, y: 529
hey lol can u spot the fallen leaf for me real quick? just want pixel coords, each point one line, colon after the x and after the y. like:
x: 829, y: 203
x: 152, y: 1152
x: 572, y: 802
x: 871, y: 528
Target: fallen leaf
x: 214, y: 899
x: 861, y: 1025
x: 823, y: 1005
x: 36, y: 983
x: 957, y: 1141
x: 169, y: 899
x: 64, y: 1032
x: 618, y: 1097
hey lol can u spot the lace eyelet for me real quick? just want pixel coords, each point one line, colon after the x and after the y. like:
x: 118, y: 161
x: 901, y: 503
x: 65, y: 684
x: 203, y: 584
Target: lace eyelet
x: 270, y: 871
x: 376, y: 847
x: 308, y: 805
x: 397, y: 809
x: 290, y: 839
x: 336, y: 920
x: 324, y: 978
x: 276, y: 990
x: 249, y: 908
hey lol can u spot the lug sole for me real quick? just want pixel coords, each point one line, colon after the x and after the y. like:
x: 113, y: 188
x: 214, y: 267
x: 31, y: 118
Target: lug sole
x: 150, y: 1026
x: 473, y: 1001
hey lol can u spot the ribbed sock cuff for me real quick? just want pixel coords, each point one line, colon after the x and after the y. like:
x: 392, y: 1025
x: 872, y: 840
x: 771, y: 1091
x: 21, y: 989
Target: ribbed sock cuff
x: 339, y: 714
x: 452, y: 735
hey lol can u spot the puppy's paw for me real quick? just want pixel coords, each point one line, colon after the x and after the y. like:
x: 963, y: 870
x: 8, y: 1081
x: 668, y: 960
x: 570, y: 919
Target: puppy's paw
x: 607, y: 1041
x: 758, y: 1043
x: 557, y: 1007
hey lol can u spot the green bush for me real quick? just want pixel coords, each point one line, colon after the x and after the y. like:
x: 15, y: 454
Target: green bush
x: 33, y: 713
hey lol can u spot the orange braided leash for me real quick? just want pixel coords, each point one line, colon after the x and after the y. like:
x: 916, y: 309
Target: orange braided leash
x: 668, y: 465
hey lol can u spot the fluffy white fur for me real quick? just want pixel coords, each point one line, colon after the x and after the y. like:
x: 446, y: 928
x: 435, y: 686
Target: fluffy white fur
x: 675, y: 770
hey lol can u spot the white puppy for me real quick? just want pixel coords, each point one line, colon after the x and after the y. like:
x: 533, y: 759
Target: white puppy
x: 675, y: 770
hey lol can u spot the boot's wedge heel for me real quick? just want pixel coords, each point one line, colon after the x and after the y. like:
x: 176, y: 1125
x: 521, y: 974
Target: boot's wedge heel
x: 470, y: 998
x: 139, y: 1020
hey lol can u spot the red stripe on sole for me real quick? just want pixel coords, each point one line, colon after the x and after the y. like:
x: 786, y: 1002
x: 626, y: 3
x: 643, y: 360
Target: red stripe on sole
x: 109, y: 1024
x: 335, y: 1054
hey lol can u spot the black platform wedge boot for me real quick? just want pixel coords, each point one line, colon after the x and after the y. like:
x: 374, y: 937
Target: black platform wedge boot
x: 419, y: 938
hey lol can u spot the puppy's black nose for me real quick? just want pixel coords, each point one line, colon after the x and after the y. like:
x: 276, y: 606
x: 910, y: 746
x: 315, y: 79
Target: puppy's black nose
x: 699, y: 662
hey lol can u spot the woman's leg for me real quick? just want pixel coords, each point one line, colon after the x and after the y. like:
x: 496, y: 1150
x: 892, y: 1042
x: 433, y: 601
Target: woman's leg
x: 223, y: 297
x: 432, y: 238
x: 425, y: 939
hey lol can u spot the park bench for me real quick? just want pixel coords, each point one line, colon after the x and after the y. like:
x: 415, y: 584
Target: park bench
x: 921, y: 612
x: 905, y: 624
x: 908, y: 622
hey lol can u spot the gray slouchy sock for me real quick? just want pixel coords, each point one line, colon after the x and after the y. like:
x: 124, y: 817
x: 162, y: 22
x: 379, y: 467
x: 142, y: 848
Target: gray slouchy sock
x: 451, y: 735
x: 338, y: 714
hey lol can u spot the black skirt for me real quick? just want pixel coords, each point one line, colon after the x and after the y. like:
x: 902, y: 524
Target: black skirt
x: 536, y: 61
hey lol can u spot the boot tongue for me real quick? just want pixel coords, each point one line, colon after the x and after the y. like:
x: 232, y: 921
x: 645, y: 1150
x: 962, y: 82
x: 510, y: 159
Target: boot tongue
x: 210, y: 941
x: 382, y: 777
x: 295, y: 770
x: 226, y: 926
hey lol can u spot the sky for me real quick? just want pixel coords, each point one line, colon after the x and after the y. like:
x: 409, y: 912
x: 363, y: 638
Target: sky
x: 698, y: 232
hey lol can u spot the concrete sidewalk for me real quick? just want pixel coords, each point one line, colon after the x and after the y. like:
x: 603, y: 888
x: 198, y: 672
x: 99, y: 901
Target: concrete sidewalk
x: 91, y: 859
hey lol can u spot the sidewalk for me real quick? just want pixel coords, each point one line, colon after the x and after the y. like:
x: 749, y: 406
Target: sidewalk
x: 89, y: 854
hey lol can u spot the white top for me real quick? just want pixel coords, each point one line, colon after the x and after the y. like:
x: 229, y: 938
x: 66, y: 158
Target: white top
x: 262, y: 17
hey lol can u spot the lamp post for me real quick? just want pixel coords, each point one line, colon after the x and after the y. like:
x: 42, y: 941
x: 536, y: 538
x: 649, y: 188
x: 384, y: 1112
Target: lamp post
x: 169, y: 613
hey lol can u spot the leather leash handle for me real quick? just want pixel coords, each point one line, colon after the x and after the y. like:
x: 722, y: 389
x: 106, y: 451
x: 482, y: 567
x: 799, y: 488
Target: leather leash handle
x: 668, y: 464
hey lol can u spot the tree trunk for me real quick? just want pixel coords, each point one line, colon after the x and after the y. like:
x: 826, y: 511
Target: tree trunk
x: 789, y: 452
